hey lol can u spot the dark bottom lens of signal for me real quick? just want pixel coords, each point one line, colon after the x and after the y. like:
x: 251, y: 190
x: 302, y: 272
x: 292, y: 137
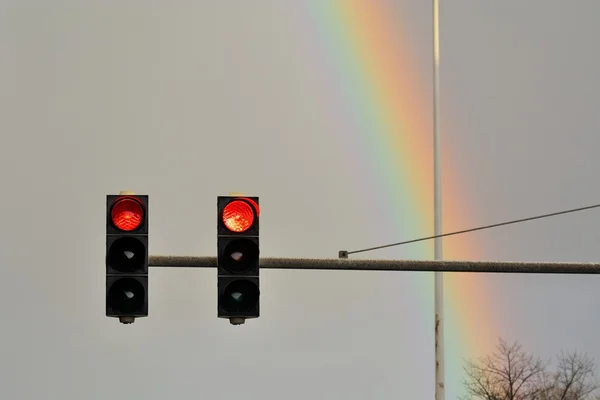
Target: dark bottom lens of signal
x: 240, y: 296
x: 127, y: 254
x: 240, y: 255
x: 126, y: 296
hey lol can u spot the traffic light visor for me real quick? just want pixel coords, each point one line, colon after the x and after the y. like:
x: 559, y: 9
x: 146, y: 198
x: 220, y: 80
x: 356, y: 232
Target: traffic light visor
x: 127, y: 213
x: 238, y: 216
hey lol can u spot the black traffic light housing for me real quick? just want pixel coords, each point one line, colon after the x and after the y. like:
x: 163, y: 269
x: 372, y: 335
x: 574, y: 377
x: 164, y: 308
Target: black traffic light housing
x: 238, y: 253
x: 127, y: 257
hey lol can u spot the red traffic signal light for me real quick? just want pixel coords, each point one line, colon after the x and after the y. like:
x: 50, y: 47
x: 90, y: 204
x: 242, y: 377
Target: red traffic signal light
x: 238, y: 260
x: 126, y: 257
x: 127, y: 213
x: 239, y: 215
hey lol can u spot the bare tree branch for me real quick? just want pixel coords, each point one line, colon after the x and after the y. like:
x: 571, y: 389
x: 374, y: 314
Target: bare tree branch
x: 575, y: 378
x: 512, y: 374
x: 508, y: 374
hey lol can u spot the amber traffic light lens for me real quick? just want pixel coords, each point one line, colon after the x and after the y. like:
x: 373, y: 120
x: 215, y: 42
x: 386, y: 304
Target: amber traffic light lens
x: 127, y: 254
x: 239, y: 255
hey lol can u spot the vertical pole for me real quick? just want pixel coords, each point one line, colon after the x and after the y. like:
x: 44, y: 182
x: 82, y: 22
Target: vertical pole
x: 437, y: 200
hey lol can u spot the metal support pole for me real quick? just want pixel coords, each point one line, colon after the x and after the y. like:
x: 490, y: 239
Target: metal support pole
x: 437, y: 200
x: 337, y: 264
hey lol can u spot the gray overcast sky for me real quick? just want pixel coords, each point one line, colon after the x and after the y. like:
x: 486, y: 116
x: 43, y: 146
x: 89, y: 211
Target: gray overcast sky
x: 169, y: 100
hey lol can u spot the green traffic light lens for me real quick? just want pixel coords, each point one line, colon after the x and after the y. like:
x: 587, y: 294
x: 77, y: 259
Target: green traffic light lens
x: 240, y: 255
x: 126, y: 296
x: 240, y: 296
x: 127, y: 254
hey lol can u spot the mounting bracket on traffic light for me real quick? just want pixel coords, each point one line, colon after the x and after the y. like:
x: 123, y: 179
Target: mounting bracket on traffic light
x: 238, y: 252
x: 126, y: 257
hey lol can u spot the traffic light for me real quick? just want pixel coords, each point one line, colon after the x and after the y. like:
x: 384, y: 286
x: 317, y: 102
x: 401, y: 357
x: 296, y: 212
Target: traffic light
x: 126, y: 257
x: 238, y: 258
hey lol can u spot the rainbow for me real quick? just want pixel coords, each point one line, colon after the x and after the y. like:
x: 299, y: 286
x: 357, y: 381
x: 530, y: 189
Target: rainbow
x: 363, y: 48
